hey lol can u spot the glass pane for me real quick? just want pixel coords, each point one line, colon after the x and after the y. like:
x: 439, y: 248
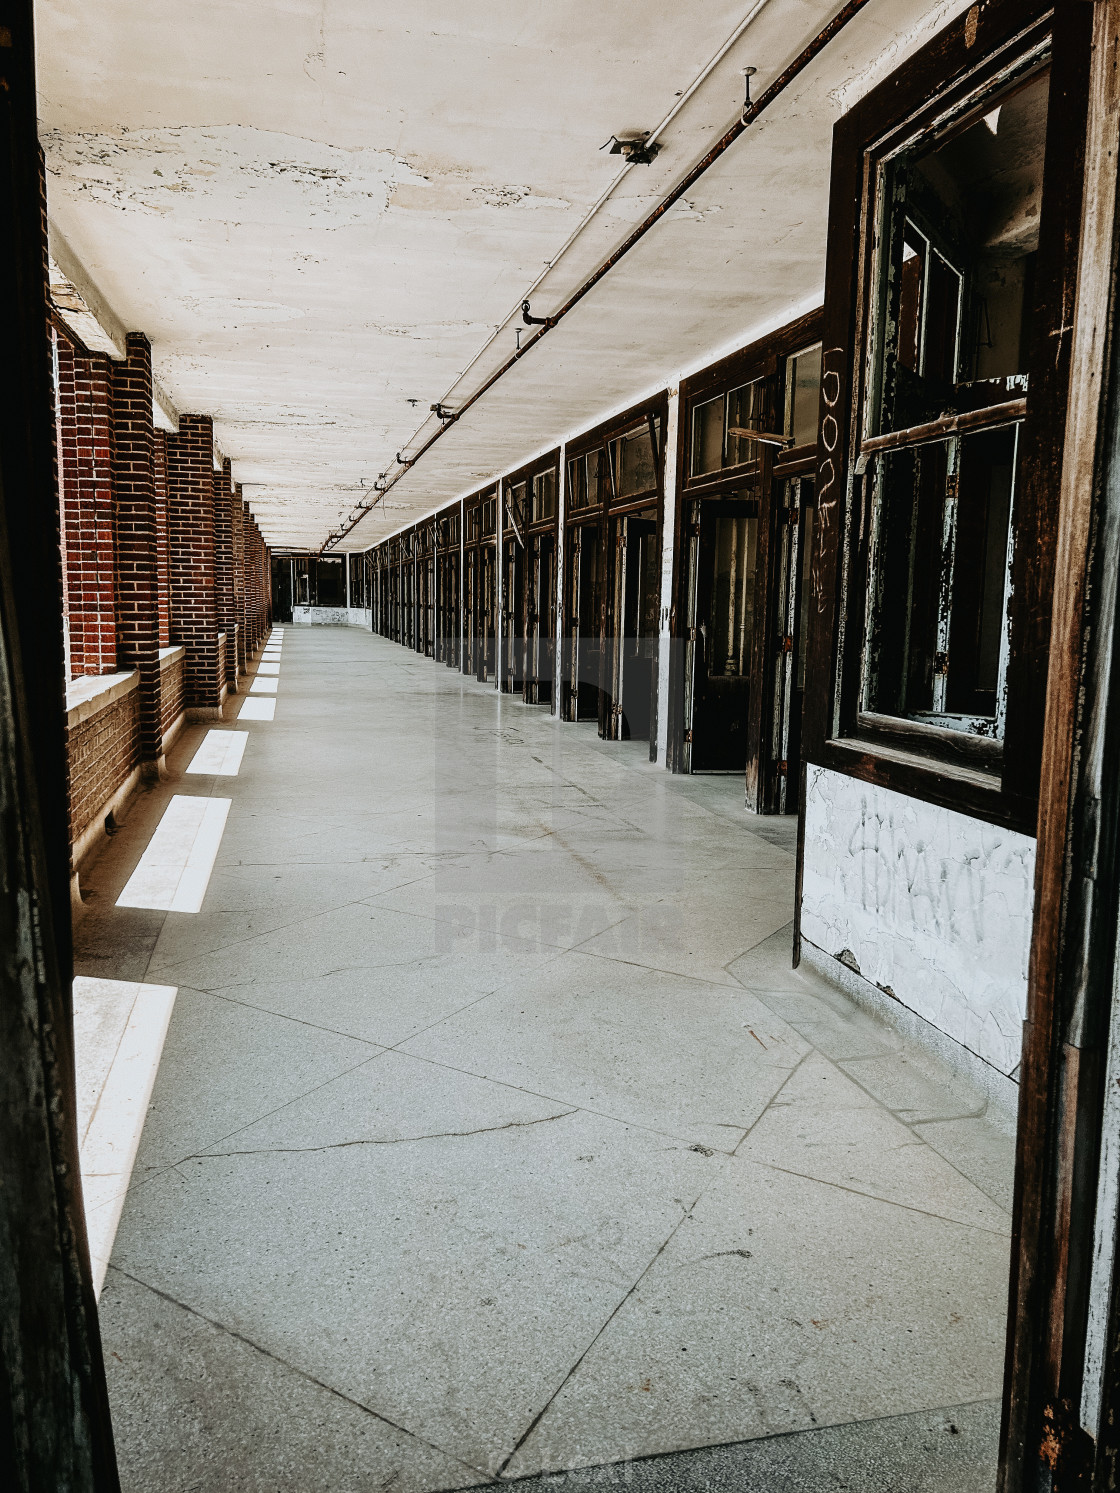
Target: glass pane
x: 803, y: 394
x: 707, y: 437
x: 980, y: 558
x: 597, y: 479
x: 747, y: 411
x: 517, y: 504
x: 544, y: 495
x: 736, y: 541
x: 577, y: 483
x: 635, y: 463
x: 959, y: 244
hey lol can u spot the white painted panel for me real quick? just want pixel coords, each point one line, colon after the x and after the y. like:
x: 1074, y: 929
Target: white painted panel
x: 220, y: 753
x: 263, y: 686
x: 174, y: 871
x: 931, y: 905
x: 257, y: 710
x: 119, y: 1031
x: 268, y: 668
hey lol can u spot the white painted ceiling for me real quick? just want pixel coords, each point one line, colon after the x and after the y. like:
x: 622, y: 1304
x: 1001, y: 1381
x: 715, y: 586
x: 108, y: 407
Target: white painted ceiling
x: 325, y: 215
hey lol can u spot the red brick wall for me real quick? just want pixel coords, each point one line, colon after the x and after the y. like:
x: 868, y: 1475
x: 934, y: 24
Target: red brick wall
x: 190, y: 542
x: 237, y: 525
x: 258, y: 583
x: 86, y: 491
x: 103, y: 750
x: 172, y: 695
x: 159, y: 477
x: 137, y: 578
x: 224, y: 567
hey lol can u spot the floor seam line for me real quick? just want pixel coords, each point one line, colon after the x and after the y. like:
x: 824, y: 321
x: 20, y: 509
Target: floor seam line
x: 687, y: 1214
x: 874, y: 1198
x: 713, y: 1446
x: 283, y: 1362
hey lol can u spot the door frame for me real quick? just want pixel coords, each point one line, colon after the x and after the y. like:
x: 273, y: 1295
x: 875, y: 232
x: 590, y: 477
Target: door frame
x: 765, y: 358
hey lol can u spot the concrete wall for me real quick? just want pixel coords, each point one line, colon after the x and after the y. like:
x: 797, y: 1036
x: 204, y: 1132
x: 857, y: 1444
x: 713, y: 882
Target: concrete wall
x: 929, y: 905
x: 332, y: 617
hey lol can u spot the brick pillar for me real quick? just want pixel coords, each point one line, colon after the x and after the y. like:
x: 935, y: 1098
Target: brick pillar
x: 137, y: 564
x: 190, y: 546
x: 262, y: 588
x: 85, y: 461
x: 159, y: 474
x: 247, y: 573
x: 224, y: 569
x: 237, y: 532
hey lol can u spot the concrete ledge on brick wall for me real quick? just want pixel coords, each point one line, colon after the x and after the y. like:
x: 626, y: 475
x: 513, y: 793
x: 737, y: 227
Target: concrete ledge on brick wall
x: 86, y: 698
x: 168, y: 659
x: 92, y: 693
x: 1001, y: 1091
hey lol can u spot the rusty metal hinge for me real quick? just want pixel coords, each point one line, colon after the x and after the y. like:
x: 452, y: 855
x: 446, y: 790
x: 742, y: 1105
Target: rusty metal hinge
x: 787, y: 643
x: 940, y: 663
x: 688, y: 736
x: 783, y: 768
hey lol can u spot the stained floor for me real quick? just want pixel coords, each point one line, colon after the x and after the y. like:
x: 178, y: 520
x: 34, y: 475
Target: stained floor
x: 494, y: 1135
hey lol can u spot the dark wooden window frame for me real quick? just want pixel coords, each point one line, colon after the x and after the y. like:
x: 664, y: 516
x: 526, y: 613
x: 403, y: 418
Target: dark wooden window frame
x: 601, y: 436
x: 937, y: 765
x: 608, y: 507
x: 762, y: 358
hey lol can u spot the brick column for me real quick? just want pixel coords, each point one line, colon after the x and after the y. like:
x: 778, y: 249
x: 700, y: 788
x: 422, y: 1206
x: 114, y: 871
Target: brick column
x: 137, y: 564
x: 237, y: 532
x: 85, y: 438
x: 262, y: 584
x: 163, y: 576
x: 190, y: 546
x: 247, y: 574
x: 224, y: 569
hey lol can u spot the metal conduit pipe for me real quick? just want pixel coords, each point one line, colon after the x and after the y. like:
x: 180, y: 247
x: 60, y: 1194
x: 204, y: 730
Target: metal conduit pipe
x: 609, y: 191
x: 759, y: 106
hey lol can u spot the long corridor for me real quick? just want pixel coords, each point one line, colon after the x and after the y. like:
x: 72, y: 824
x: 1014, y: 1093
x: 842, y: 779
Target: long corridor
x: 494, y: 1135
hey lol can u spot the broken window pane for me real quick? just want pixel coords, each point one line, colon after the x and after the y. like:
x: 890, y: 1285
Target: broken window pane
x: 746, y: 413
x: 724, y: 429
x: 938, y: 606
x: 961, y: 234
x: 949, y: 330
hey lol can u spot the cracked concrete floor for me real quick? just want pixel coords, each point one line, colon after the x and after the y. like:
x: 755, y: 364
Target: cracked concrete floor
x: 495, y: 1137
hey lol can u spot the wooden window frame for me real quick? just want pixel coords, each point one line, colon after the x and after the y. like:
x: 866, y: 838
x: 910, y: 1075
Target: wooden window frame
x: 600, y: 437
x: 938, y: 765
x: 766, y: 357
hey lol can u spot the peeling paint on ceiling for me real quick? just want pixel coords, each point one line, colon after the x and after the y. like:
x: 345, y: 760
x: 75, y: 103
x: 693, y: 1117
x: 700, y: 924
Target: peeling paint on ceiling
x: 320, y: 213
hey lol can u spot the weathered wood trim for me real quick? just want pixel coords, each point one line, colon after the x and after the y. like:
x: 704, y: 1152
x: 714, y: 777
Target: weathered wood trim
x: 1070, y: 989
x: 55, y: 1430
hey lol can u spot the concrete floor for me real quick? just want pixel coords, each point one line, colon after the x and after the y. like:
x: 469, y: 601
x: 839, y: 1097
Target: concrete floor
x: 494, y: 1135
